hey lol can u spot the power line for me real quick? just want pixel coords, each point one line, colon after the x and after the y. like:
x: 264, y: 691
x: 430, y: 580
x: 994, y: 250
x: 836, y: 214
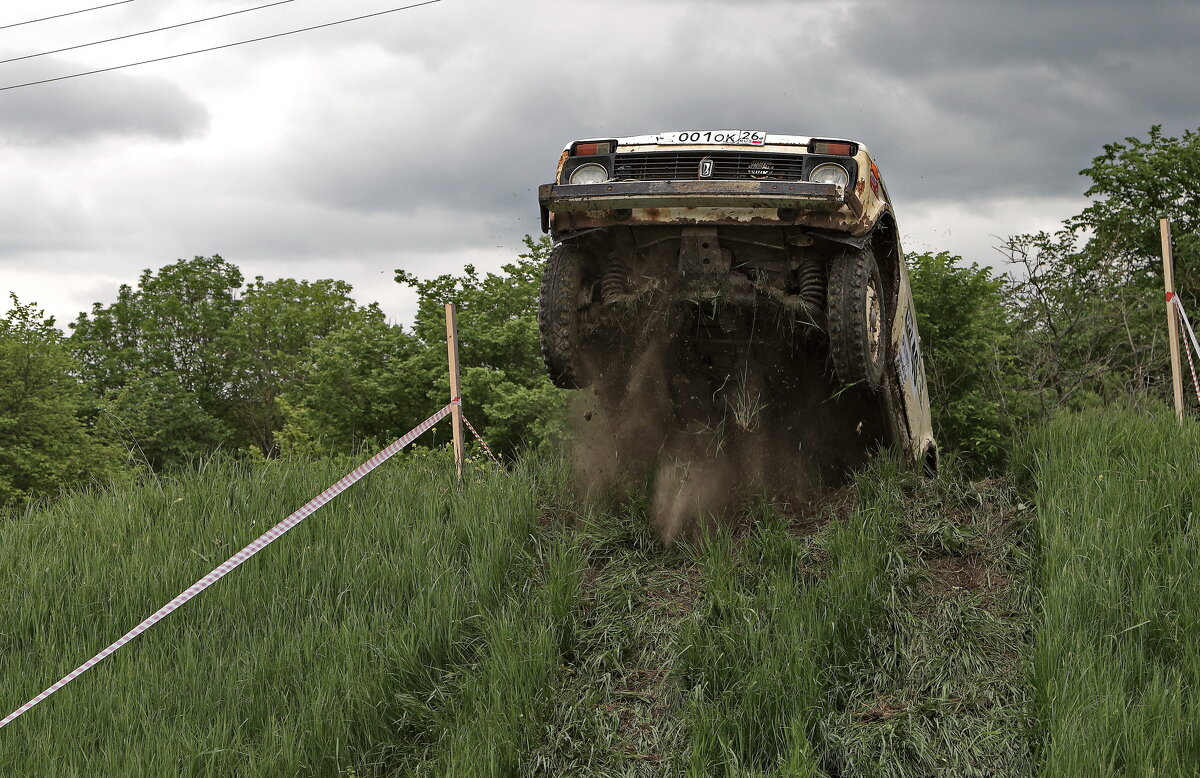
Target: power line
x: 145, y: 32
x: 217, y: 48
x: 59, y: 16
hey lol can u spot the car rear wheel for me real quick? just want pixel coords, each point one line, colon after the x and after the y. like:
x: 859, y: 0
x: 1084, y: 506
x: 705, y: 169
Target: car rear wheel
x: 558, y: 316
x: 856, y: 312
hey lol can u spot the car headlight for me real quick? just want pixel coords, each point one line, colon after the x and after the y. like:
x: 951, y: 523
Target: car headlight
x: 589, y: 173
x: 830, y: 173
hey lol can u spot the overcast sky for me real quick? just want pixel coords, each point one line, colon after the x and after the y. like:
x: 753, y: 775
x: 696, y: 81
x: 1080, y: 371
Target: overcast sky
x: 417, y: 139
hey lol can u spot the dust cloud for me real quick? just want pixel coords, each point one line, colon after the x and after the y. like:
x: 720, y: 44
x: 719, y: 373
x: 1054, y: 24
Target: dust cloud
x: 707, y: 423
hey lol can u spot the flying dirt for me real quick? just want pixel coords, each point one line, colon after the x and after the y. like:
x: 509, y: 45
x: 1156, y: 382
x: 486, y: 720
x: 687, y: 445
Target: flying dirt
x: 736, y: 308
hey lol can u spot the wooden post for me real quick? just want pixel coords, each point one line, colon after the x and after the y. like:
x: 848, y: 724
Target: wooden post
x: 455, y: 390
x: 1164, y: 227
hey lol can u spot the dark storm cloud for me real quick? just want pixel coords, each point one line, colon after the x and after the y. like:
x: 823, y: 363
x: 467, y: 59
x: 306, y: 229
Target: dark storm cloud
x: 93, y: 107
x: 1016, y: 98
x: 959, y: 101
x: 386, y: 163
x: 919, y: 36
x: 488, y: 132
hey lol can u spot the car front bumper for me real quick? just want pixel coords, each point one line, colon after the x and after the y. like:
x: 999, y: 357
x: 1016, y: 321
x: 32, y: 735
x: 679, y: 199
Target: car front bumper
x: 614, y: 195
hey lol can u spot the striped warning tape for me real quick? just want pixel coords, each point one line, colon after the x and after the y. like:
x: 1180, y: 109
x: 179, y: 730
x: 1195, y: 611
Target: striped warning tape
x: 234, y: 561
x: 1188, y: 347
x: 482, y: 442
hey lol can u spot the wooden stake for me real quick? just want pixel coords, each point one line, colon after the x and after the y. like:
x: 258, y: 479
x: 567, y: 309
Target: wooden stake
x: 455, y: 390
x: 1164, y: 227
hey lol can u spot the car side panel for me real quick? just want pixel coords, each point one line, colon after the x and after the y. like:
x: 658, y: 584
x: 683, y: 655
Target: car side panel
x: 910, y: 373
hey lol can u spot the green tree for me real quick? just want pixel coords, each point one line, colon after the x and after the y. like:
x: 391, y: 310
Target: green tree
x: 507, y: 392
x: 174, y: 323
x: 45, y: 443
x: 975, y: 394
x: 158, y: 359
x: 279, y: 329
x: 1136, y: 183
x: 356, y: 386
x: 1089, y: 298
x: 188, y: 361
x: 162, y: 422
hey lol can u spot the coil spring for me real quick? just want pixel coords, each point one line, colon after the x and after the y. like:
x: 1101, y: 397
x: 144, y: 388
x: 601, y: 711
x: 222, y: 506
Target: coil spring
x: 812, y: 283
x: 615, y: 281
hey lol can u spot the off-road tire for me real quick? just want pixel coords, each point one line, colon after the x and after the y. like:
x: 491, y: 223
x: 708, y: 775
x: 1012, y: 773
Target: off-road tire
x: 856, y: 313
x: 558, y: 316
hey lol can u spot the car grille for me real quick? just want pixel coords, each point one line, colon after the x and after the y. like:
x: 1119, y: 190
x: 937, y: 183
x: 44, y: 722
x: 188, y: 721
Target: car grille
x: 727, y: 166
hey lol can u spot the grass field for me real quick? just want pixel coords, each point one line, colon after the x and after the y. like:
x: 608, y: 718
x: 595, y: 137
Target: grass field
x: 898, y: 627
x: 1117, y: 663
x: 409, y: 627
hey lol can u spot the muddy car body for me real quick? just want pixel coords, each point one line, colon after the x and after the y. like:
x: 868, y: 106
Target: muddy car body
x: 772, y: 261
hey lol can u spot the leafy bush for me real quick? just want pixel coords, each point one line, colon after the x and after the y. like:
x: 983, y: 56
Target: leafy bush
x: 509, y: 395
x: 975, y: 390
x: 45, y: 441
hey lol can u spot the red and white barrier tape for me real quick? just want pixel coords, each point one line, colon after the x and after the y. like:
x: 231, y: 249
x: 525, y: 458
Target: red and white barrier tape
x: 1195, y: 344
x: 230, y: 564
x: 482, y: 442
x: 1187, y: 349
x: 1192, y: 367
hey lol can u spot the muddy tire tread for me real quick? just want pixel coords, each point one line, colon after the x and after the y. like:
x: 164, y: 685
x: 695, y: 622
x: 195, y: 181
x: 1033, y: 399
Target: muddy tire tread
x: 558, y: 316
x: 845, y: 313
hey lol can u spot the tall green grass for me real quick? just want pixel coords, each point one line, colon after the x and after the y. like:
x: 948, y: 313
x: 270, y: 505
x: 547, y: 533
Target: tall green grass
x: 782, y: 615
x: 409, y: 627
x: 1117, y: 663
x: 418, y: 627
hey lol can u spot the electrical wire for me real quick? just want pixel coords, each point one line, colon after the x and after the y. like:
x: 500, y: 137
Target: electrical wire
x: 217, y: 48
x: 145, y: 32
x: 59, y: 16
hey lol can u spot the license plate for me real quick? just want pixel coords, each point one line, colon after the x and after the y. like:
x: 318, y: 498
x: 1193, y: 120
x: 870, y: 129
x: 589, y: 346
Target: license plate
x: 719, y: 137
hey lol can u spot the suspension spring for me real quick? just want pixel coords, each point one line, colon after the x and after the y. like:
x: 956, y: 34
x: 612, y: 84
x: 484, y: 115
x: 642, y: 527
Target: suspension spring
x: 812, y: 283
x: 615, y: 281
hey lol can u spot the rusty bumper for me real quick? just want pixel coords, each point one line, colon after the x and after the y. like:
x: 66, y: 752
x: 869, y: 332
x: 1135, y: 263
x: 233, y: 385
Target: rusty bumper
x: 684, y: 194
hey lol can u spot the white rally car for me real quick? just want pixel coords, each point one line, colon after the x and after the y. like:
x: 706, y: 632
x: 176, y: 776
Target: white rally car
x: 774, y: 256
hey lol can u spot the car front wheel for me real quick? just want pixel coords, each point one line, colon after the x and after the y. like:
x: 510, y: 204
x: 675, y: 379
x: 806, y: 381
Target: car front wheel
x: 558, y: 316
x: 857, y: 322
